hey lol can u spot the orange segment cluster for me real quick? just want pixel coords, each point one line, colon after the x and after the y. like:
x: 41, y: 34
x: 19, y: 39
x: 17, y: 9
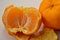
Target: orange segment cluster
x: 21, y: 22
x: 13, y: 16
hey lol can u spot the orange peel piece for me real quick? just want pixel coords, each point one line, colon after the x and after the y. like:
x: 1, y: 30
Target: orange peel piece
x: 46, y: 34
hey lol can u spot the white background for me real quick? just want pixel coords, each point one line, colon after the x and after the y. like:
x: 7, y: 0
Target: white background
x: 3, y: 3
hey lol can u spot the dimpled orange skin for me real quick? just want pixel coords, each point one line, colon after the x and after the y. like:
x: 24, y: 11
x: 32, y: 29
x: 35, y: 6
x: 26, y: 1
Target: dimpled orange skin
x: 50, y: 10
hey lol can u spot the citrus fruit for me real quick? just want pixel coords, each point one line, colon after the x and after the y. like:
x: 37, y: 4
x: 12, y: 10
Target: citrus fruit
x: 33, y: 20
x: 50, y: 11
x: 25, y: 20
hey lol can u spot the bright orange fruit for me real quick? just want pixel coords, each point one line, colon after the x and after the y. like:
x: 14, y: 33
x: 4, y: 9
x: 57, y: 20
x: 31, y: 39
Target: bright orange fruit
x: 50, y: 10
x: 33, y: 20
x: 25, y: 20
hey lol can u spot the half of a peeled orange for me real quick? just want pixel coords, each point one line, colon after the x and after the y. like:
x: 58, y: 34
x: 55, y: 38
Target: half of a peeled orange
x: 25, y: 20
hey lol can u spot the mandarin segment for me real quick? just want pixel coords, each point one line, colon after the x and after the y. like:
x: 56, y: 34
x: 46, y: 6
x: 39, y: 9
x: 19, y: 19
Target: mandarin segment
x: 13, y: 16
x: 33, y: 19
x: 6, y: 11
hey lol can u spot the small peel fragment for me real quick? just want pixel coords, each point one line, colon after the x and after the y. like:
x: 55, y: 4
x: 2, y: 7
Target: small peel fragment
x: 47, y: 34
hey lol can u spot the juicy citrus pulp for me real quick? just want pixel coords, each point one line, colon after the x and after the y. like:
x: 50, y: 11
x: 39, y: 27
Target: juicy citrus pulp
x: 26, y: 20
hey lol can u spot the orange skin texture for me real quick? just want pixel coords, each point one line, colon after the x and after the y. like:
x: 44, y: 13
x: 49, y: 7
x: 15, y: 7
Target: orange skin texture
x: 50, y: 11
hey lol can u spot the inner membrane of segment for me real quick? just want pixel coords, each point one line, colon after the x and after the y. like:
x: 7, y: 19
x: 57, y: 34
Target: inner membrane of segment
x: 17, y: 19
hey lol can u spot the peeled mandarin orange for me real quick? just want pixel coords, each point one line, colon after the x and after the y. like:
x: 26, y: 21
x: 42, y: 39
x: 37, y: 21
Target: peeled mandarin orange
x: 13, y: 16
x: 25, y: 20
x: 50, y: 11
x: 9, y: 24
